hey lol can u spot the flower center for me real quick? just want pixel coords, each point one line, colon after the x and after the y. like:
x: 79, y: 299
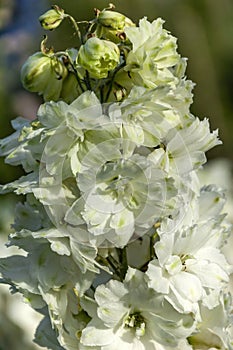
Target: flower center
x: 183, y: 258
x: 117, y: 178
x: 137, y: 322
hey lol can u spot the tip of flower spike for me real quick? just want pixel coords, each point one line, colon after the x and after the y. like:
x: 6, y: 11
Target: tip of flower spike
x: 52, y: 18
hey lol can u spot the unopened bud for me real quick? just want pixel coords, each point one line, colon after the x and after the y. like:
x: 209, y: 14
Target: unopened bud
x: 120, y: 94
x: 43, y: 74
x: 111, y: 19
x: 52, y: 18
x: 111, y: 24
x: 98, y: 57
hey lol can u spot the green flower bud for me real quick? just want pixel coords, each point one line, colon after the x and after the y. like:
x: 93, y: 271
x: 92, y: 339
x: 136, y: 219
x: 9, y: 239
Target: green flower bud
x: 111, y: 24
x: 43, y: 74
x: 120, y: 94
x: 52, y: 18
x: 98, y: 57
x: 111, y: 19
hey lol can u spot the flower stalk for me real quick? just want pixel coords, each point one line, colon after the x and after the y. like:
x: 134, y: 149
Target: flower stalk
x: 123, y: 247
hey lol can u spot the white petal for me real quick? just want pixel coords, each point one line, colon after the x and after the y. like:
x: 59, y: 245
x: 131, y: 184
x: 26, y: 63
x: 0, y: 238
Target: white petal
x: 96, y: 334
x: 164, y: 247
x: 187, y: 285
x: 210, y: 274
x: 156, y: 279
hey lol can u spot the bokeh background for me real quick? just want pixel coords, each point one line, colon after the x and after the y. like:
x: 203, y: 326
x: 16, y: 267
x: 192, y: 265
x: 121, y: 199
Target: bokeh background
x: 204, y: 29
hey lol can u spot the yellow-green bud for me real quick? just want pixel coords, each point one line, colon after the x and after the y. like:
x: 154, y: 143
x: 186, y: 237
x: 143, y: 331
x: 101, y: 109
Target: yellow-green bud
x: 52, y: 18
x: 111, y: 19
x: 111, y: 24
x: 120, y: 94
x: 43, y: 74
x: 98, y: 57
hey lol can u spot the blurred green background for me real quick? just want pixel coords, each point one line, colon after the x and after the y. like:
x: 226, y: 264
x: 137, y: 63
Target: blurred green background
x: 204, y: 29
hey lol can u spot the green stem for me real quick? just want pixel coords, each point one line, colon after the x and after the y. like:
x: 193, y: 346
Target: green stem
x: 89, y: 27
x: 101, y: 94
x: 113, y: 263
x: 77, y: 77
x: 92, y: 288
x: 76, y: 27
x: 110, y: 262
x: 64, y: 53
x: 87, y: 81
x: 122, y: 256
x: 153, y: 239
x: 78, y: 80
x: 112, y: 80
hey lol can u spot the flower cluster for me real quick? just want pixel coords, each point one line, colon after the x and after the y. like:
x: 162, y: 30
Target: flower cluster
x: 123, y: 248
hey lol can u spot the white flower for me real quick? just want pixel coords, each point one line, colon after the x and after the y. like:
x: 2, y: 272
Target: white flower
x: 146, y: 116
x: 184, y: 149
x: 120, y: 195
x: 215, y: 328
x: 152, y: 55
x: 219, y: 172
x: 22, y: 147
x: 190, y: 266
x: 130, y: 316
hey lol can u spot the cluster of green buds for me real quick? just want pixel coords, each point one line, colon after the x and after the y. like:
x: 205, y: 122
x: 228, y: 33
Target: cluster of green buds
x: 101, y: 54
